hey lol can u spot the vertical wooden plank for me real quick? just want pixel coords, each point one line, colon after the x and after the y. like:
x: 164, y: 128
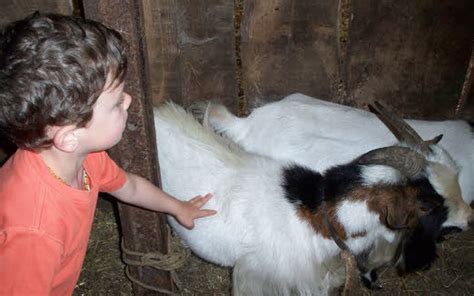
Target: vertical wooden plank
x: 289, y: 46
x: 192, y: 51
x: 207, y: 52
x: 14, y: 10
x: 412, y: 54
x: 144, y: 231
x: 160, y: 19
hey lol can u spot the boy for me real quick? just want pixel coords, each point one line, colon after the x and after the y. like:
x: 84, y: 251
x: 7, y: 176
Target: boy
x: 62, y: 102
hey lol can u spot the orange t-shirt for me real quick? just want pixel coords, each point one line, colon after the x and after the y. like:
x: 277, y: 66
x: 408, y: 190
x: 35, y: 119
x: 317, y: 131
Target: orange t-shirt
x: 45, y: 224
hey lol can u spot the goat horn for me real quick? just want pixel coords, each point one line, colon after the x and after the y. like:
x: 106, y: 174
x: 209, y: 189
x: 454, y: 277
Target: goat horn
x: 406, y: 160
x: 435, y: 140
x: 400, y: 129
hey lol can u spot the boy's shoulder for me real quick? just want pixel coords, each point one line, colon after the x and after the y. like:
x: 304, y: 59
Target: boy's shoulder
x: 104, y: 171
x: 17, y: 172
x: 27, y: 199
x: 20, y: 192
x: 98, y: 162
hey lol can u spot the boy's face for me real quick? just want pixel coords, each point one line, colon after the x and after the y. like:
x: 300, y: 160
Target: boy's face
x: 108, y: 120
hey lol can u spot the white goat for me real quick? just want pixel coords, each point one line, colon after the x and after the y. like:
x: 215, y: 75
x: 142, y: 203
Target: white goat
x: 321, y: 134
x: 277, y: 222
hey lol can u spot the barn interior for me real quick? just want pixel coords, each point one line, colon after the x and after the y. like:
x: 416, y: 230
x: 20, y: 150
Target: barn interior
x: 416, y: 56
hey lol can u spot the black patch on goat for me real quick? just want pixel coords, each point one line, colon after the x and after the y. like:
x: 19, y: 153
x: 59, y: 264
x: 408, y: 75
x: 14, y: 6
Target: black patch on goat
x: 419, y: 250
x: 303, y: 185
x: 341, y: 180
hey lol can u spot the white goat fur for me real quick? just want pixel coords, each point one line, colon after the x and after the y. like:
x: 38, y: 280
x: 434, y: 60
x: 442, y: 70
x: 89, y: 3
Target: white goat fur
x: 321, y: 134
x: 256, y: 230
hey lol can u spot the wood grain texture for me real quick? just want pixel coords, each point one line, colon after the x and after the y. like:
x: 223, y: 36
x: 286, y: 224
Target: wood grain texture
x: 410, y: 54
x: 18, y: 9
x: 289, y: 46
x: 191, y: 51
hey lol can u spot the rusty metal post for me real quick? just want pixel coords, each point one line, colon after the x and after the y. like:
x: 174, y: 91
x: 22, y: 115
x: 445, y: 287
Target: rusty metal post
x: 144, y: 231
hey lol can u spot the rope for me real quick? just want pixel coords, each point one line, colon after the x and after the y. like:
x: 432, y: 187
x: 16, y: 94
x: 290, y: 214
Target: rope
x: 157, y: 260
x: 146, y: 286
x: 347, y: 256
x: 351, y: 271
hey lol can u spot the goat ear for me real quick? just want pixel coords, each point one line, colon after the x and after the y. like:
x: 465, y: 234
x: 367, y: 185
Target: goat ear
x: 398, y: 219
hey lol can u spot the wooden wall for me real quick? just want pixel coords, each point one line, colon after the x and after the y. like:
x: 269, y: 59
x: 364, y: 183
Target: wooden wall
x: 191, y: 50
x: 411, y: 54
x: 18, y: 9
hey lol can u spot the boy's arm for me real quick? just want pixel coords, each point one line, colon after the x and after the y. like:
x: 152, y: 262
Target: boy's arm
x: 140, y: 192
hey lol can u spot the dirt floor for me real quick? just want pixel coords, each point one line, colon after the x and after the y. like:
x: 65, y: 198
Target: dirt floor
x: 103, y: 271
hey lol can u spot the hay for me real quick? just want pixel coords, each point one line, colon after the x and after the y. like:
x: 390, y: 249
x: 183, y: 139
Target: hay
x: 103, y: 270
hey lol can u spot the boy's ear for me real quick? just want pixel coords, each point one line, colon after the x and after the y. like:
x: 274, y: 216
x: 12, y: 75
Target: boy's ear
x: 65, y: 138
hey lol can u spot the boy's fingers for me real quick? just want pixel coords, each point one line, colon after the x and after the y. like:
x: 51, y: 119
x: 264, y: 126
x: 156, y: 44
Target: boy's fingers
x: 206, y: 213
x: 198, y: 202
x: 201, y: 200
x: 207, y: 196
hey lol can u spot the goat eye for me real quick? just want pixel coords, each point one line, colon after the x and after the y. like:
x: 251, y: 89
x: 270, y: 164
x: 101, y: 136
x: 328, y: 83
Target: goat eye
x: 427, y: 206
x: 424, y: 209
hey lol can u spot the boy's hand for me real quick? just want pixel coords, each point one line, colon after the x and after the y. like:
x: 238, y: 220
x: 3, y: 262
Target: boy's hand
x: 191, y: 210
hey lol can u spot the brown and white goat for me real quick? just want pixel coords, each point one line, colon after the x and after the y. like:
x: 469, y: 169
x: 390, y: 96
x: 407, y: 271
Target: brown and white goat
x: 281, y: 225
x: 321, y: 134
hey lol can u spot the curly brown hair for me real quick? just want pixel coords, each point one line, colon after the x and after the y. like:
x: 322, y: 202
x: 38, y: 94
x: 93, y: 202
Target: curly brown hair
x: 52, y: 70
